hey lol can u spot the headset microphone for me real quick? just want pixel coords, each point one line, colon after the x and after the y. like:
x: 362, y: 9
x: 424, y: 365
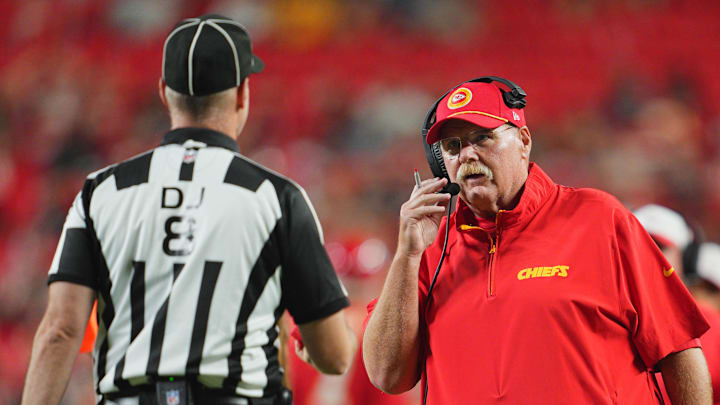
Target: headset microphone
x: 451, y: 188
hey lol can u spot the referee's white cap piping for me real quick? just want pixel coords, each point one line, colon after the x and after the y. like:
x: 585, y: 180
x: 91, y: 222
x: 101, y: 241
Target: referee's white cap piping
x: 190, y: 57
x: 199, y: 61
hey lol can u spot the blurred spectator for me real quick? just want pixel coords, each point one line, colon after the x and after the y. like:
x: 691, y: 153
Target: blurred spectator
x: 707, y: 288
x: 699, y: 266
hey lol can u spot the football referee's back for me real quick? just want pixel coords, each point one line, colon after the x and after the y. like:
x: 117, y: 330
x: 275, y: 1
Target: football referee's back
x: 193, y: 253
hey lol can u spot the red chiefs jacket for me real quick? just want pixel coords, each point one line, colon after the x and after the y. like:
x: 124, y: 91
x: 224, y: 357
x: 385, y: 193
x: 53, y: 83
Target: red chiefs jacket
x: 563, y: 300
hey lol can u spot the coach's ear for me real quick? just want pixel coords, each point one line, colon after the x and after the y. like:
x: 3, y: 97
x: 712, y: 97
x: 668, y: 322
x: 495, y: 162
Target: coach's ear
x: 161, y: 92
x: 526, y: 140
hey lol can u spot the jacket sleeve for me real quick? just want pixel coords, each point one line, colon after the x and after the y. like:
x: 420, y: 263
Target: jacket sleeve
x: 661, y: 315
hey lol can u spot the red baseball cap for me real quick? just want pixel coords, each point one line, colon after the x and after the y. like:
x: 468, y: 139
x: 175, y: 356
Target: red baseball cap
x: 478, y: 103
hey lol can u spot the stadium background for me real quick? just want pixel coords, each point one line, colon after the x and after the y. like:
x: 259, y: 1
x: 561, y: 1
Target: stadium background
x: 623, y: 95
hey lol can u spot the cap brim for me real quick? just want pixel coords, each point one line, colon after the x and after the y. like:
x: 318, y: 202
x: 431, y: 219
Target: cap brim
x: 480, y: 120
x: 256, y: 64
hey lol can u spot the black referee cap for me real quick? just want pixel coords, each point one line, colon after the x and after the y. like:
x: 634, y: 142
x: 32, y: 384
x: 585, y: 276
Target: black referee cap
x: 208, y: 54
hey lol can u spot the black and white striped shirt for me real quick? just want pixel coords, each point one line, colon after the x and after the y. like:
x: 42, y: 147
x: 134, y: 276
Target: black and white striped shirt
x: 195, y: 251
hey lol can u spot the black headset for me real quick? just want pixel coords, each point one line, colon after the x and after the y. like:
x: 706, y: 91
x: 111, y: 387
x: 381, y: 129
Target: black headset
x: 513, y: 98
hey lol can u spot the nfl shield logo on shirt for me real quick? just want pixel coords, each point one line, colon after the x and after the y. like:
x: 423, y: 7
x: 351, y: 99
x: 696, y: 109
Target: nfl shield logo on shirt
x: 190, y: 155
x: 172, y: 397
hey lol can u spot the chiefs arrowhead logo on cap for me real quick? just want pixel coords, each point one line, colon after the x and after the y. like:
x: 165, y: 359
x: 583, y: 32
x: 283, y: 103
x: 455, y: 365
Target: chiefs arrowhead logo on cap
x: 459, y: 98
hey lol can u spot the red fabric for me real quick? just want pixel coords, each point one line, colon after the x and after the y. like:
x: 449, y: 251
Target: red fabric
x: 90, y: 332
x: 297, y: 336
x: 303, y: 377
x: 573, y: 307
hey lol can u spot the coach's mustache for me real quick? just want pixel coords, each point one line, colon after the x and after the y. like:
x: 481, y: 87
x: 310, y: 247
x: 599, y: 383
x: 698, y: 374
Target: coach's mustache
x: 473, y: 167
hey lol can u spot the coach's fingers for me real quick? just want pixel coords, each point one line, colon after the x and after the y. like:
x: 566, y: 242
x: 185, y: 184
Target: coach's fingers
x: 444, y: 203
x: 429, y: 186
x: 424, y: 211
x: 427, y: 199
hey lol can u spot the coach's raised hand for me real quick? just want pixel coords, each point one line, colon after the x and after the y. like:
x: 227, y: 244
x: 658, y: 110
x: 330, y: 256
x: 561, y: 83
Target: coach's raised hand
x: 391, y: 342
x: 420, y: 216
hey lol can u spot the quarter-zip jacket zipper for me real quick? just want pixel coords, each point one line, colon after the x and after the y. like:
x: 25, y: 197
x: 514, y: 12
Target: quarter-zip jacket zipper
x: 492, y: 251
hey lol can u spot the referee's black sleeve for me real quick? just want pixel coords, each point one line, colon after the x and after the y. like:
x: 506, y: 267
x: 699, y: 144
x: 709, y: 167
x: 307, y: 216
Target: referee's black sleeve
x: 74, y: 260
x: 310, y: 288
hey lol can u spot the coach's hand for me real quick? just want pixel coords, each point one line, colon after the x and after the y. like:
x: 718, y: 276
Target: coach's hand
x: 420, y: 216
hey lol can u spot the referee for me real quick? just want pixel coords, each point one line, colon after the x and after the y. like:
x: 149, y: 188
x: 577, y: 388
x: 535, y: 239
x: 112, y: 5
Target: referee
x: 193, y: 253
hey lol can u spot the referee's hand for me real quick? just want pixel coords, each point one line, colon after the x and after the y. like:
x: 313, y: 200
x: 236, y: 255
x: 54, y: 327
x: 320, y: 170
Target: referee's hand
x: 300, y: 348
x: 420, y: 216
x: 302, y: 352
x: 328, y: 344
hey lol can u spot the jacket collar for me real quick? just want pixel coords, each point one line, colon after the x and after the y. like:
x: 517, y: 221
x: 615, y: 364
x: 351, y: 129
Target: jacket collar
x: 535, y: 192
x: 204, y: 135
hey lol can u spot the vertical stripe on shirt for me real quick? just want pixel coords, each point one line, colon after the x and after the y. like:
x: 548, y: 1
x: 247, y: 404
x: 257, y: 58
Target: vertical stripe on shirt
x: 188, y: 164
x: 266, y: 264
x: 137, y: 314
x: 158, y: 329
x: 133, y: 172
x: 137, y: 298
x: 242, y: 174
x: 202, y: 314
x: 272, y: 371
x: 106, y: 310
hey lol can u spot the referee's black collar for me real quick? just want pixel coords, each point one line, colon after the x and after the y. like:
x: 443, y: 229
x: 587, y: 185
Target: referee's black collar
x: 204, y: 135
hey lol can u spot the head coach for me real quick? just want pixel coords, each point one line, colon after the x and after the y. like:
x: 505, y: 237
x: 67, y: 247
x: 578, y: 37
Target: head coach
x: 193, y: 252
x: 529, y: 292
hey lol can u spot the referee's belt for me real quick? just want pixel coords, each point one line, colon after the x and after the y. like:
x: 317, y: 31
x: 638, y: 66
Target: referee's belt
x: 199, y: 394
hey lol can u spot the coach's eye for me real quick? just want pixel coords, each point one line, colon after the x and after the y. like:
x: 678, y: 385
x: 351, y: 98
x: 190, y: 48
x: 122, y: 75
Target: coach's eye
x: 451, y: 146
x: 478, y: 139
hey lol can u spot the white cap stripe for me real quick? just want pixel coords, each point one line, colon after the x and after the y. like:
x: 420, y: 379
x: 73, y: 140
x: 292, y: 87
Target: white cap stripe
x: 232, y: 46
x: 175, y: 31
x: 219, y: 21
x: 215, y: 20
x: 190, y: 56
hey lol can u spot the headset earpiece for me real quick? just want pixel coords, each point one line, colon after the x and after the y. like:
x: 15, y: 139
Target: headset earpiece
x: 433, y: 154
x: 513, y: 99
